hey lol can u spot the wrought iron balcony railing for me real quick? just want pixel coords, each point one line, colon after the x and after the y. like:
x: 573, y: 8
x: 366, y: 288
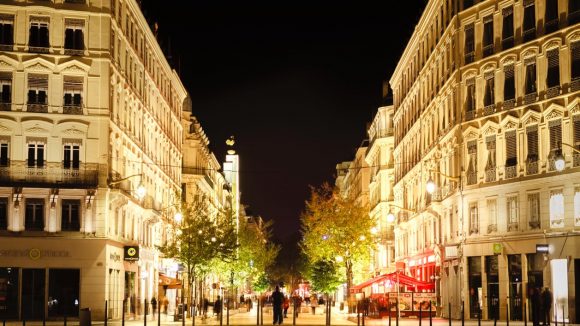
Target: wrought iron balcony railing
x: 471, y: 178
x: 19, y: 174
x: 532, y: 168
x: 72, y: 109
x: 37, y: 108
x: 490, y: 174
x: 511, y: 171
x: 576, y: 159
x: 553, y: 91
x: 490, y: 109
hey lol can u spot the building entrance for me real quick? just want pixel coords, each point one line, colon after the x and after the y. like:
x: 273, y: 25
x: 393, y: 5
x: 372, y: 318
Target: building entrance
x: 492, y: 287
x: 515, y: 286
x: 33, y: 293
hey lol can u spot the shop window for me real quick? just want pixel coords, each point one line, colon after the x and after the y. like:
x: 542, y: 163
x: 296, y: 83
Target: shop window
x: 475, y: 290
x: 8, y: 293
x: 63, y: 292
x: 70, y: 215
x: 515, y: 286
x: 491, y: 269
x: 34, y: 215
x: 33, y: 293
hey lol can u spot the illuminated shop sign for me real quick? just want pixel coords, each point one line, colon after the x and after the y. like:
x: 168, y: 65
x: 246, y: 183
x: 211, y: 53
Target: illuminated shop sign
x: 131, y: 253
x: 542, y: 248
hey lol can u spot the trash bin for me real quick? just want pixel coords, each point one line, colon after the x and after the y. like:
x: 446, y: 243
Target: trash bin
x: 85, y: 317
x: 178, y: 313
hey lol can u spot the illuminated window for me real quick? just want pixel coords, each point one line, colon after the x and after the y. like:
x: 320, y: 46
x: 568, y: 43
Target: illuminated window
x: 556, y: 209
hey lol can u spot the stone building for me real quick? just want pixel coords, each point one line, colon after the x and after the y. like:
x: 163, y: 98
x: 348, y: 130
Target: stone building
x: 485, y: 104
x: 90, y: 154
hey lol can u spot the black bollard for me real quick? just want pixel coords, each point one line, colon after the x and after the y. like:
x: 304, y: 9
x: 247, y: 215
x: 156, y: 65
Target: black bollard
x: 158, y: 312
x: 449, y: 308
x: 294, y: 311
x: 462, y: 314
x: 563, y: 315
x: 357, y: 317
x: 420, y: 313
x: 106, y: 303
x: 228, y: 314
x: 123, y: 314
x: 258, y: 312
x: 479, y: 317
x: 556, y: 314
x: 526, y: 314
x: 507, y: 314
x: 397, y: 313
x: 262, y: 314
x: 430, y: 313
x: 390, y: 311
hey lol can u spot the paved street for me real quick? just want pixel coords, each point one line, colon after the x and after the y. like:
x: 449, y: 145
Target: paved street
x: 304, y: 319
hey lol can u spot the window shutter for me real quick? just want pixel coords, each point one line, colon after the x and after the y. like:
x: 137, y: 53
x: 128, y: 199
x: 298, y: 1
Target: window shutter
x: 532, y: 132
x: 553, y: 76
x: 530, y: 78
x: 576, y: 121
x: 575, y: 48
x: 555, y: 134
x: 469, y: 38
x: 38, y: 81
x: 510, y: 148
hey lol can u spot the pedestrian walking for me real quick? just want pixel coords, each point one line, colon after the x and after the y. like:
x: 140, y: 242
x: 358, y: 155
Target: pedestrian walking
x: 153, y: 306
x: 297, y: 304
x: 217, y: 307
x: 313, y: 304
x: 204, y: 307
x: 546, y: 305
x: 536, y: 304
x: 277, y: 302
x: 286, y: 306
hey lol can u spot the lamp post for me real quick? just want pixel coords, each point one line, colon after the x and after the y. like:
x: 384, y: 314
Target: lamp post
x: 141, y: 190
x: 431, y: 186
x: 560, y: 162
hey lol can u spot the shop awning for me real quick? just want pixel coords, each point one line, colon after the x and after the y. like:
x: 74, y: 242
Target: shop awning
x: 393, y: 277
x: 169, y: 282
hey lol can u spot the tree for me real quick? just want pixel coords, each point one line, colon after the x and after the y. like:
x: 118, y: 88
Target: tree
x: 202, y: 236
x: 336, y: 228
x: 325, y: 276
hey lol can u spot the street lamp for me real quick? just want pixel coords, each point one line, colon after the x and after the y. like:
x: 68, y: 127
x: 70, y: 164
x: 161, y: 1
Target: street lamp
x: 559, y: 161
x: 391, y: 216
x: 431, y: 186
x: 141, y: 190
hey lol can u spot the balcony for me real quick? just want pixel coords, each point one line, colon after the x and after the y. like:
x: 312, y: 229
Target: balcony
x: 38, y: 49
x: 529, y: 34
x: 490, y: 174
x: 37, y: 108
x: 535, y: 223
x: 471, y: 178
x: 6, y: 47
x: 469, y: 57
x: 576, y: 159
x: 507, y: 43
x: 74, y: 52
x: 487, y: 50
x: 5, y: 106
x: 553, y: 91
x: 488, y: 110
x: 470, y: 115
x: 552, y: 163
x: 72, y: 109
x: 532, y: 168
x: 509, y: 104
x: 575, y: 85
x: 514, y: 226
x: 511, y: 171
x: 19, y: 174
x: 530, y: 98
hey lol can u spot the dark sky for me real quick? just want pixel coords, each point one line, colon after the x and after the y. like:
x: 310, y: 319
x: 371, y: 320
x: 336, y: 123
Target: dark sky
x: 295, y: 82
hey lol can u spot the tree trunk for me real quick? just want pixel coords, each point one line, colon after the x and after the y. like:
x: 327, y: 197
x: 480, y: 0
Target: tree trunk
x: 348, y: 267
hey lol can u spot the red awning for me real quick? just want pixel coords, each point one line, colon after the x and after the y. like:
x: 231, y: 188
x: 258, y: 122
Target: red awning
x: 393, y: 277
x: 169, y: 282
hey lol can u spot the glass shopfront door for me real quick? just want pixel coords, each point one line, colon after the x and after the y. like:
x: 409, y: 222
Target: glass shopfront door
x: 33, y: 293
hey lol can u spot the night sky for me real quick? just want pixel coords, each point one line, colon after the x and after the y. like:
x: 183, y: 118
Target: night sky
x: 296, y: 83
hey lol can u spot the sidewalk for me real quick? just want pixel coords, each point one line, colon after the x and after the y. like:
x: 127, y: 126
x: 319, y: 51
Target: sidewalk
x: 304, y: 319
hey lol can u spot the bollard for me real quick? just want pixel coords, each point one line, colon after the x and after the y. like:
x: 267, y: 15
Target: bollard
x: 228, y: 314
x: 507, y: 314
x: 526, y: 314
x: 420, y: 313
x: 563, y: 315
x: 390, y: 310
x: 449, y: 309
x: 258, y: 312
x: 106, y: 303
x: 479, y: 317
x: 145, y: 313
x: 262, y: 314
x: 397, y: 313
x: 430, y: 313
x: 123, y: 314
x: 158, y: 313
x: 556, y: 314
x: 462, y: 314
x: 294, y: 312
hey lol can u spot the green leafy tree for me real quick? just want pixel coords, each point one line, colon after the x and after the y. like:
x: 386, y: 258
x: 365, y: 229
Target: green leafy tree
x: 261, y: 283
x: 325, y: 276
x: 336, y: 228
x: 202, y: 236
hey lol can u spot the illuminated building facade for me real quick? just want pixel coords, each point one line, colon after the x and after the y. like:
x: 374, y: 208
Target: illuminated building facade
x: 90, y: 111
x: 486, y: 100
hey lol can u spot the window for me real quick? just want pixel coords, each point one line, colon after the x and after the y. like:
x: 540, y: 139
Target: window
x: 507, y: 34
x: 5, y: 88
x: 556, y: 209
x: 512, y: 213
x: 3, y: 213
x: 71, y: 156
x: 472, y: 167
x: 4, y: 153
x: 487, y: 35
x: 534, y: 213
x: 489, y: 96
x: 509, y: 86
x: 575, y: 49
x: 73, y: 88
x: 34, y: 215
x: 470, y: 95
x: 532, y: 138
x: 555, y: 127
x: 577, y: 206
x: 553, y: 76
x: 73, y: 35
x: 491, y: 215
x: 510, y: 148
x: 473, y: 219
x: 70, y: 215
x: 39, y: 33
x: 6, y: 30
x: 36, y: 155
x: 37, y: 89
x: 469, y: 44
x: 529, y: 24
x: 551, y: 16
x: 573, y: 12
x: 576, y: 129
x: 530, y: 77
x: 491, y: 163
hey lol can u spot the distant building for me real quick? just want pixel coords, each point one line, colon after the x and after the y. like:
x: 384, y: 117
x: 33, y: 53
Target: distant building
x: 90, y: 112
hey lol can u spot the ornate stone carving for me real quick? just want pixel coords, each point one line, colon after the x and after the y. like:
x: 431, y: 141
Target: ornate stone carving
x: 39, y: 66
x: 36, y: 129
x: 553, y: 114
x: 74, y: 68
x: 4, y: 128
x: 73, y: 131
x: 510, y: 125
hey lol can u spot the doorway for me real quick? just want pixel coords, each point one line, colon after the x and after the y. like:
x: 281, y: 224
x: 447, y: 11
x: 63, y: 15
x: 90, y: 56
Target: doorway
x: 33, y: 293
x: 515, y: 286
x: 491, y: 270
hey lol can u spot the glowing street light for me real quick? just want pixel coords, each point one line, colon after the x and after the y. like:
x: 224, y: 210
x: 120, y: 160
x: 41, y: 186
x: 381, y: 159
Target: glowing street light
x: 431, y: 186
x: 559, y: 161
